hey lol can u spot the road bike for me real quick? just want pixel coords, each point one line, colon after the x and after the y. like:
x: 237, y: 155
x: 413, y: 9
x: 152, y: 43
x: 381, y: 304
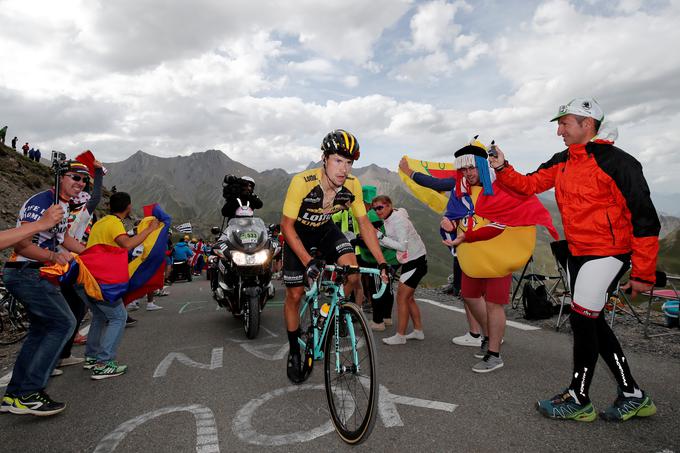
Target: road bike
x: 14, y: 321
x: 337, y: 333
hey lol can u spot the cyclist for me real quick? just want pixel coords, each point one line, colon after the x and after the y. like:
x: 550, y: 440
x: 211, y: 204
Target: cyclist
x: 312, y: 198
x: 609, y: 221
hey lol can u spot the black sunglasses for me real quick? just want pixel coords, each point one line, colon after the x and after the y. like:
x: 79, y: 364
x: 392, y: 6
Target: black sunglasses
x: 379, y: 208
x: 78, y: 178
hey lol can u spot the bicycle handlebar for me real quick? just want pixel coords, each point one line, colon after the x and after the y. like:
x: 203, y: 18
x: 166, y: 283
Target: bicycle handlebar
x: 359, y: 270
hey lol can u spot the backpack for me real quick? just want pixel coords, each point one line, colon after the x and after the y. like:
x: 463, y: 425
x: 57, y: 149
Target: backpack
x: 536, y: 303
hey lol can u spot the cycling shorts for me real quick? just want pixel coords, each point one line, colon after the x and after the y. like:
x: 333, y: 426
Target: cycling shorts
x: 494, y: 289
x: 330, y: 242
x: 592, y: 278
x: 413, y: 271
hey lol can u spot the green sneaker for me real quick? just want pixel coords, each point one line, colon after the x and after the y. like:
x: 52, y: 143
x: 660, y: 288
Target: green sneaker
x: 626, y: 407
x: 107, y: 370
x: 90, y: 362
x: 7, y: 402
x: 563, y: 406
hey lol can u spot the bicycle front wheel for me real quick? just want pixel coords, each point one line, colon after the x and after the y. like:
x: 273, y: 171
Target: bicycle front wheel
x: 350, y: 375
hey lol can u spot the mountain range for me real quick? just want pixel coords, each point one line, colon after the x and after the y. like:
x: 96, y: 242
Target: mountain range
x: 190, y: 189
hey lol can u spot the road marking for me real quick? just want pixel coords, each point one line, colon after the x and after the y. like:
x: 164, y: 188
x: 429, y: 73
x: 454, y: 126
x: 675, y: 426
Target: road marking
x: 258, y: 350
x: 515, y: 324
x: 183, y: 308
x: 216, y: 361
x: 268, y: 331
x: 243, y: 428
x: 387, y: 406
x: 6, y: 378
x: 206, y: 429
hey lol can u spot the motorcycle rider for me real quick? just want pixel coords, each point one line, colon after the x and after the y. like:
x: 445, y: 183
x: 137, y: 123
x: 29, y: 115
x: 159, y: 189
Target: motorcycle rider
x: 239, y: 192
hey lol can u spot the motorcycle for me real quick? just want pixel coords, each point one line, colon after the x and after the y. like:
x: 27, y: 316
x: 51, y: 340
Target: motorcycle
x: 241, y: 275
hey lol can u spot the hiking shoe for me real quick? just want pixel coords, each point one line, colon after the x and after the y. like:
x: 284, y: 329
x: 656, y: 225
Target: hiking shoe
x: 56, y: 372
x: 132, y: 306
x: 415, y: 335
x: 483, y: 349
x: 563, y: 406
x: 626, y: 407
x: 387, y: 321
x: 468, y: 340
x: 395, y: 339
x: 107, y: 370
x: 153, y: 307
x: 90, y: 362
x: 71, y: 360
x: 38, y: 403
x: 7, y: 402
x: 488, y: 363
x: 294, y: 368
x: 377, y: 326
x: 129, y: 322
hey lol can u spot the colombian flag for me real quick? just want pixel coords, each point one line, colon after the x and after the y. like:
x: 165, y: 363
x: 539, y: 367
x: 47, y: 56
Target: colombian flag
x: 147, y: 270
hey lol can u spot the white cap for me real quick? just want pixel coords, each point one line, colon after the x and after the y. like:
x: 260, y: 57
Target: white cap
x: 587, y: 107
x: 249, y: 179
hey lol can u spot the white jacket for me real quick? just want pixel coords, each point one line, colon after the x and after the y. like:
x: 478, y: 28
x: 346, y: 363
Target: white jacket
x: 401, y: 235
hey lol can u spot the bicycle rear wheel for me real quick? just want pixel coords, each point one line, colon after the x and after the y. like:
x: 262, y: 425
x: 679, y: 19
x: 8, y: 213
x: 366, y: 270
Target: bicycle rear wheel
x: 350, y: 375
x: 14, y: 321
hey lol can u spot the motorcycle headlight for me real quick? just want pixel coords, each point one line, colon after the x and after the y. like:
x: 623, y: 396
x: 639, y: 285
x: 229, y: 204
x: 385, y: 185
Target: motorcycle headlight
x: 212, y: 259
x: 244, y: 259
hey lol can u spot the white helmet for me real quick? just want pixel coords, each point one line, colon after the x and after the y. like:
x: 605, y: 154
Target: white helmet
x: 249, y: 179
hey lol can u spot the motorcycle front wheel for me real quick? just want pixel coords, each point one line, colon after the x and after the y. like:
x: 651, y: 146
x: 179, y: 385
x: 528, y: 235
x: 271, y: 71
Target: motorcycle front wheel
x: 251, y: 316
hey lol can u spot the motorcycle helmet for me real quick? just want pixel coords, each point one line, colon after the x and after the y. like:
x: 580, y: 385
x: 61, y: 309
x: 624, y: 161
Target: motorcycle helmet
x: 340, y: 142
x: 250, y: 181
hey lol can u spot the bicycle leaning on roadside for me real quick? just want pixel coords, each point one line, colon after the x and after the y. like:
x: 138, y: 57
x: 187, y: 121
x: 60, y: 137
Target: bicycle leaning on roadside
x: 337, y: 333
x: 14, y: 321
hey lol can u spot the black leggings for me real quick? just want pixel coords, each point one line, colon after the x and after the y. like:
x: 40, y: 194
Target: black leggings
x: 78, y: 309
x: 593, y: 337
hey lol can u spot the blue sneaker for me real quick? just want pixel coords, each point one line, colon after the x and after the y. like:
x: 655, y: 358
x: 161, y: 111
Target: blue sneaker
x: 563, y: 406
x: 626, y: 407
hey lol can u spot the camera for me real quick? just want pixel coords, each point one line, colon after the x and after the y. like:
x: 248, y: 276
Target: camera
x: 493, y: 151
x: 230, y: 187
x: 58, y: 161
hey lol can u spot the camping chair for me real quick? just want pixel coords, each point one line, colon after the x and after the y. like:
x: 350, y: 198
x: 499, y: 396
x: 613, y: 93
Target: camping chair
x: 535, y: 280
x: 662, y: 280
x: 560, y: 252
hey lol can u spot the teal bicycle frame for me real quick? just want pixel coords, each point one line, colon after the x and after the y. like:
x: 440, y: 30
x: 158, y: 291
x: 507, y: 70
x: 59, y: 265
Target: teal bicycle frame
x: 327, y: 285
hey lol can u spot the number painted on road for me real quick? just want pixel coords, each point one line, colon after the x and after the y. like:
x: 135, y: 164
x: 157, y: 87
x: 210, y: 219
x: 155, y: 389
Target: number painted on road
x: 206, y: 429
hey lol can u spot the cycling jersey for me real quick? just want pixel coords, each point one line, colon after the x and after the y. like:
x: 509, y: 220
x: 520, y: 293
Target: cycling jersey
x: 33, y: 210
x: 304, y: 200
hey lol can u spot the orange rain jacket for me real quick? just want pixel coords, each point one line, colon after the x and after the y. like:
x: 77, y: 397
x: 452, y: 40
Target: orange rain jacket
x: 604, y: 201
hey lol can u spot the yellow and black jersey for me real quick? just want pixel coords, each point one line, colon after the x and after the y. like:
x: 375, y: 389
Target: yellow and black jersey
x: 304, y: 200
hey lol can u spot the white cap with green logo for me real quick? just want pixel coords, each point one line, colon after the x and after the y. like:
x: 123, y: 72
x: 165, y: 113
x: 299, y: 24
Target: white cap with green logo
x: 587, y: 107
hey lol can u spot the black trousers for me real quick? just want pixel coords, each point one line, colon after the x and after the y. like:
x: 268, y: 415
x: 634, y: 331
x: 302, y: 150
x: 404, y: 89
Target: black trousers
x: 78, y: 308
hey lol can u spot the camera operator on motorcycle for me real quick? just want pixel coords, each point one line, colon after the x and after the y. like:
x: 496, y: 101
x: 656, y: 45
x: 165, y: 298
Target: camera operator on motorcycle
x: 239, y: 195
x: 313, y: 197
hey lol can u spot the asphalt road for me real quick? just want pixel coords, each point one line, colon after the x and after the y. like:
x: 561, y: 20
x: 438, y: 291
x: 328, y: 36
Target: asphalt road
x: 195, y: 383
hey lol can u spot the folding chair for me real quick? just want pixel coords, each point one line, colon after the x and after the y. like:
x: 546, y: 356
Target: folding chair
x: 662, y: 280
x: 560, y: 252
x: 618, y: 300
x: 535, y: 280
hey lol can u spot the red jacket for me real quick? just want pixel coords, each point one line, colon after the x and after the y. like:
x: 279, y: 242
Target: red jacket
x: 604, y: 201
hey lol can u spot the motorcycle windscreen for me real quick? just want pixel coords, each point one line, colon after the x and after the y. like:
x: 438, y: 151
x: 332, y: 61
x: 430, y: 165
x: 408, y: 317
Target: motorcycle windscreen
x: 247, y: 233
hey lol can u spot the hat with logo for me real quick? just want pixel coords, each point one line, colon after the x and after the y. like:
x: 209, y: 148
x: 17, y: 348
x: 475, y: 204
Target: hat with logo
x: 76, y: 167
x: 587, y: 107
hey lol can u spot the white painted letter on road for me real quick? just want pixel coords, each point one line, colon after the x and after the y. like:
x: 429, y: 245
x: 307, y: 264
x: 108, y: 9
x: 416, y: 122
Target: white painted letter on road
x: 216, y: 361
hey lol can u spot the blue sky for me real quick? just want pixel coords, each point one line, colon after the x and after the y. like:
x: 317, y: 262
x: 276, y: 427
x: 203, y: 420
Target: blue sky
x: 264, y: 81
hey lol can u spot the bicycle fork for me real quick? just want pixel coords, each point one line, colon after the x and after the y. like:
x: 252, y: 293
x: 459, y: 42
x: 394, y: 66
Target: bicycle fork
x: 349, y: 330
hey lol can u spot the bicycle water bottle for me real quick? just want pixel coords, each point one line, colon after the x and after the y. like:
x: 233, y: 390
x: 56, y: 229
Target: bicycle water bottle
x: 323, y: 311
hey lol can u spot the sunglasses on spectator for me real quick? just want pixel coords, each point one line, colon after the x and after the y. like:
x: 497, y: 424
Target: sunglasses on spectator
x: 379, y: 207
x: 78, y: 178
